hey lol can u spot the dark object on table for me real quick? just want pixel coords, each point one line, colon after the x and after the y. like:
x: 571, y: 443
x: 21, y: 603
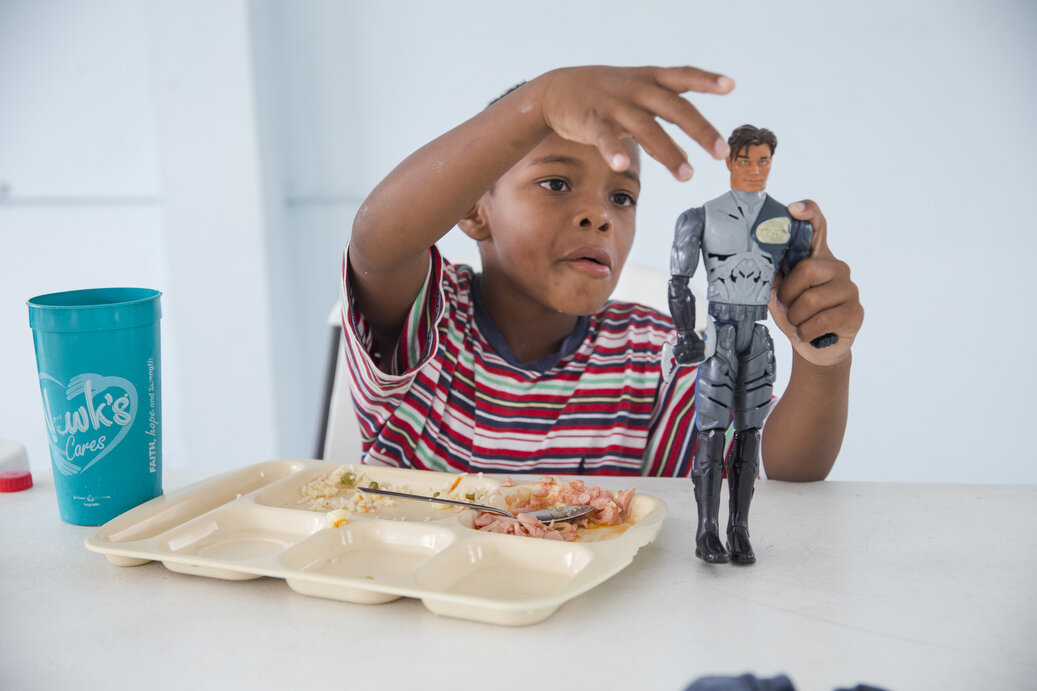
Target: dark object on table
x: 748, y: 682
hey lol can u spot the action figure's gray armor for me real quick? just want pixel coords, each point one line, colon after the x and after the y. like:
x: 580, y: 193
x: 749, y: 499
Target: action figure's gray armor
x: 744, y: 238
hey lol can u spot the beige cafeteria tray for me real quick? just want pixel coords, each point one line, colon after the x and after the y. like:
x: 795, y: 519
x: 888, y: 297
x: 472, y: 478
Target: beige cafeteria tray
x: 249, y: 523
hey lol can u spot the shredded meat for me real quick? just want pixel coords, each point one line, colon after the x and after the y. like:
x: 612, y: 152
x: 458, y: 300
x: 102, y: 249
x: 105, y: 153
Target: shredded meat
x: 525, y: 525
x: 610, y: 508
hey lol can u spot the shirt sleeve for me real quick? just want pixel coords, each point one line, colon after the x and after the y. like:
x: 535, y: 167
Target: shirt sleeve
x: 671, y: 440
x: 418, y: 340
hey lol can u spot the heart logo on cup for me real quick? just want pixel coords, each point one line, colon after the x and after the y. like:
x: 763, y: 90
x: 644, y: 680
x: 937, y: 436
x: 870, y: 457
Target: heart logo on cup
x: 86, y: 418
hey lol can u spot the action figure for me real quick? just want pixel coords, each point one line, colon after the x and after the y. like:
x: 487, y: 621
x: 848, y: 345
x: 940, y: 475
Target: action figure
x: 745, y: 236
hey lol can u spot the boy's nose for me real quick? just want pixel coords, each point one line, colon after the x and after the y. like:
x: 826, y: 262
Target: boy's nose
x: 602, y: 224
x: 598, y: 220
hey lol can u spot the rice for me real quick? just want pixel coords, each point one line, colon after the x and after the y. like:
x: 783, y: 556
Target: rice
x: 337, y: 491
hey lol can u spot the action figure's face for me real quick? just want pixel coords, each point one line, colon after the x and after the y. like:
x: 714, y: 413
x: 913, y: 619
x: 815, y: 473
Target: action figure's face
x: 558, y: 228
x: 750, y: 168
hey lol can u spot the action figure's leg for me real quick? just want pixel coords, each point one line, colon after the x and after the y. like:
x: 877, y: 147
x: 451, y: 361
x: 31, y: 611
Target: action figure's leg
x: 714, y: 398
x: 707, y: 473
x: 754, y: 382
x: 741, y: 477
x: 753, y: 388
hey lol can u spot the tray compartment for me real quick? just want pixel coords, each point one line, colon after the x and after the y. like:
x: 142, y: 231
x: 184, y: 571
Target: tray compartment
x: 238, y: 535
x: 503, y: 579
x: 506, y: 569
x: 168, y: 511
x: 362, y: 557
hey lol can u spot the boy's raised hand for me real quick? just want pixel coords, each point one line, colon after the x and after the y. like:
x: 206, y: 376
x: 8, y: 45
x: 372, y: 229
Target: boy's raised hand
x: 427, y: 193
x: 817, y: 297
x: 601, y: 106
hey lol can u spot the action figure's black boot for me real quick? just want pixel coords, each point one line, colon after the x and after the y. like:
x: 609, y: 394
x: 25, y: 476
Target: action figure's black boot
x: 742, y: 470
x: 707, y: 472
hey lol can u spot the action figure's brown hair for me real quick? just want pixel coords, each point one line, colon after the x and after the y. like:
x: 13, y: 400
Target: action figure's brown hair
x: 747, y: 135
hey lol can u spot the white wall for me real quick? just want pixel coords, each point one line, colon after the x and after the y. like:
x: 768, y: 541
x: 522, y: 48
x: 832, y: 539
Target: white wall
x: 129, y: 151
x: 79, y: 180
x: 218, y: 151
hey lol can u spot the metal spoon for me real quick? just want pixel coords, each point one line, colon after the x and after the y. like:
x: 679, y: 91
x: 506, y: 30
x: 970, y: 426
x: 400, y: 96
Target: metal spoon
x: 560, y: 514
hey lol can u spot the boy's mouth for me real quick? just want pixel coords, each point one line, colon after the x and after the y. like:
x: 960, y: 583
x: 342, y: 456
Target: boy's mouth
x: 594, y: 260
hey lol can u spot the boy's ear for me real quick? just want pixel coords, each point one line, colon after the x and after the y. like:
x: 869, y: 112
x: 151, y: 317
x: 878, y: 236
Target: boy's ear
x: 474, y: 224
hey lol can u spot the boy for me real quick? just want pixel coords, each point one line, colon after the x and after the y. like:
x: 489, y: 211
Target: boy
x: 522, y: 369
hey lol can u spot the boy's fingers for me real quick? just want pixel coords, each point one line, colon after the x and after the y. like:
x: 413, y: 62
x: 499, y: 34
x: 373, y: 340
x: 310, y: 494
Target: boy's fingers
x: 829, y: 309
x: 812, y: 273
x: 623, y: 102
x: 669, y: 105
x: 673, y: 108
x: 686, y: 78
x: 644, y: 128
x: 607, y: 137
x: 818, y: 295
x: 843, y: 320
x: 816, y: 299
x: 808, y: 210
x: 680, y: 112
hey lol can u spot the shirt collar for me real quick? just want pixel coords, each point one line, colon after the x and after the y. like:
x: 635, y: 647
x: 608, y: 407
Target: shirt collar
x: 493, y: 336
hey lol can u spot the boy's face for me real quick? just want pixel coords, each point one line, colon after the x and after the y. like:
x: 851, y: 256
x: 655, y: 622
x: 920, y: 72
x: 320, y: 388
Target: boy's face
x: 559, y: 227
x: 750, y: 168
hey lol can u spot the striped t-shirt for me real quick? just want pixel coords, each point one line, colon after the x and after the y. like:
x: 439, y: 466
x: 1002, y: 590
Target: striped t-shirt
x: 456, y: 399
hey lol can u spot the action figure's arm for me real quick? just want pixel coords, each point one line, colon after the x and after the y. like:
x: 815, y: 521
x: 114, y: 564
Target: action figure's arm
x: 799, y: 245
x: 684, y: 260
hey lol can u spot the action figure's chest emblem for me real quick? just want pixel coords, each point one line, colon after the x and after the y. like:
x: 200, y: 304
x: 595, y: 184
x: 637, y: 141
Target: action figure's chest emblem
x: 774, y: 231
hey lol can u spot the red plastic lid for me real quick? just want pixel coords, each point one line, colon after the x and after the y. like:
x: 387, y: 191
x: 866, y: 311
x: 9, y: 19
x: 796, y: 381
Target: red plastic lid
x: 15, y: 480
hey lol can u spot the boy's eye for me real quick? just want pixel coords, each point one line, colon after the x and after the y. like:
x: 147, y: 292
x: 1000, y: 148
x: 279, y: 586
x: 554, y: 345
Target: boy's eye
x: 554, y: 185
x: 623, y: 199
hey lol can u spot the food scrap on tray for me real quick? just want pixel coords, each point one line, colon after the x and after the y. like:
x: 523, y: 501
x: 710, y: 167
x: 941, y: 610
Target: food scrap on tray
x: 335, y: 493
x: 610, y: 508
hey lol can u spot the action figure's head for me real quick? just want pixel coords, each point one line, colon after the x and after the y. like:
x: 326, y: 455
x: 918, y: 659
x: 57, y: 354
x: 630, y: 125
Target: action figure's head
x: 750, y: 162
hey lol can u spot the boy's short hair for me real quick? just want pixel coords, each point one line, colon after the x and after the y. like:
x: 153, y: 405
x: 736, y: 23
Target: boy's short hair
x: 747, y: 135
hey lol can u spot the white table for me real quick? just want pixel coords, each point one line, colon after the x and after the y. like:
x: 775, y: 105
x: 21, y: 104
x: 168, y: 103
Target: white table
x: 902, y: 586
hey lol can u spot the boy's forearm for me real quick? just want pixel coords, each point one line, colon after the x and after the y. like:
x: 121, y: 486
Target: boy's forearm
x: 426, y: 194
x: 424, y: 197
x: 805, y: 430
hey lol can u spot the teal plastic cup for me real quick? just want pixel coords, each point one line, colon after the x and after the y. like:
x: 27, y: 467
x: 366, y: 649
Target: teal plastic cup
x: 98, y: 356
